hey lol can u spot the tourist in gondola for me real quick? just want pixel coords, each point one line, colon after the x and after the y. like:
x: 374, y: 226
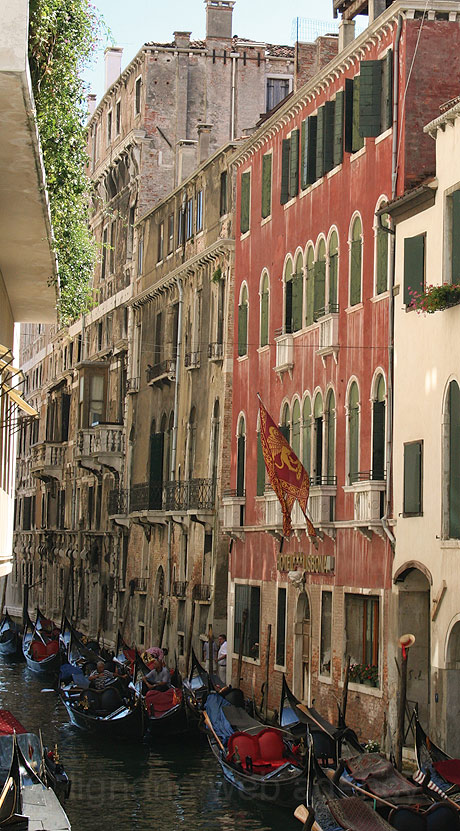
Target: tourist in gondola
x: 100, y: 677
x: 159, y: 678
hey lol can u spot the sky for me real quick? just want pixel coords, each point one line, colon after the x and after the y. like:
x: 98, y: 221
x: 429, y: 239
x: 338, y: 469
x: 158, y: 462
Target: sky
x: 133, y: 22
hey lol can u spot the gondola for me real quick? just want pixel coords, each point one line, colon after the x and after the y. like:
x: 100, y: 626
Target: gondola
x: 196, y: 688
x: 41, y: 646
x: 78, y: 651
x: 440, y: 770
x: 28, y: 803
x: 10, y: 637
x: 262, y: 762
x: 166, y: 711
x: 42, y: 759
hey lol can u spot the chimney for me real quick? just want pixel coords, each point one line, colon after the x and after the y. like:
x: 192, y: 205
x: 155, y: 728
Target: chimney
x: 310, y: 58
x: 219, y: 19
x: 186, y: 159
x: 91, y: 104
x: 204, y: 138
x: 182, y: 39
x: 112, y: 56
x: 346, y: 33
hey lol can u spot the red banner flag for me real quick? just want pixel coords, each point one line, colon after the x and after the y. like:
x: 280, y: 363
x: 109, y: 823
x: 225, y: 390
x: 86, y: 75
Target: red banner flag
x: 287, y: 475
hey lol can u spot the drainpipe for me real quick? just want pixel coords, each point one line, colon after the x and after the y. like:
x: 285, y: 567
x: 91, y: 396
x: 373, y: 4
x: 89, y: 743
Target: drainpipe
x: 175, y: 423
x: 391, y: 275
x: 234, y: 56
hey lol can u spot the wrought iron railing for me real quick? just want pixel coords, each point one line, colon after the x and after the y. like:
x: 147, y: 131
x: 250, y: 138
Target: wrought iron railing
x: 118, y: 502
x: 201, y: 591
x: 146, y: 497
x: 330, y: 309
x: 161, y: 369
x: 179, y: 588
x: 367, y: 476
x: 323, y: 481
x: 189, y: 494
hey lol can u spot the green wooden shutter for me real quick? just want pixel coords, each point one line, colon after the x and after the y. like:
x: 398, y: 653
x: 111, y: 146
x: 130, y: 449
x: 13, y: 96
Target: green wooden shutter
x: 310, y: 294
x: 355, y: 272
x: 306, y: 446
x: 414, y: 266
x: 348, y: 115
x: 338, y: 128
x: 387, y: 90
x: 320, y: 143
x: 266, y: 185
x: 243, y: 329
x: 320, y: 288
x: 288, y: 306
x: 413, y: 478
x: 285, y: 431
x: 311, y: 148
x: 357, y: 140
x: 240, y: 460
x: 333, y: 266
x: 353, y: 444
x: 294, y: 164
x: 245, y: 201
x: 378, y: 440
x: 303, y: 155
x: 156, y: 471
x: 329, y: 134
x: 297, y: 301
x: 264, y: 318
x: 454, y: 461
x: 455, y: 237
x: 260, y: 468
x: 285, y: 156
x: 382, y: 261
x: 370, y: 98
x: 330, y: 445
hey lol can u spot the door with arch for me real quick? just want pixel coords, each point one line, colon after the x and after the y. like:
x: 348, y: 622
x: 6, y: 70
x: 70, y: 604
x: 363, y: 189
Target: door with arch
x: 302, y: 643
x: 452, y: 744
x: 414, y: 618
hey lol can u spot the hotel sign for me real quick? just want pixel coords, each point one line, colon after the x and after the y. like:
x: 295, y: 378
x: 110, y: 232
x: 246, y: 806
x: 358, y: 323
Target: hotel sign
x: 311, y: 563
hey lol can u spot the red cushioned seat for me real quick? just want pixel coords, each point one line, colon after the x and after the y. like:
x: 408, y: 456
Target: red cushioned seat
x: 38, y: 650
x: 242, y: 745
x: 271, y: 745
x: 265, y: 750
x: 52, y: 648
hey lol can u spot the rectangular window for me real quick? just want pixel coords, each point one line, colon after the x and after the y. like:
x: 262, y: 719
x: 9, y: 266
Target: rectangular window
x: 320, y: 143
x: 245, y: 202
x: 199, y: 211
x: 161, y: 241
x: 113, y: 230
x: 376, y: 96
x: 138, y: 96
x: 266, y: 185
x: 277, y: 89
x: 105, y: 245
x: 223, y: 193
x: 308, y: 151
x: 140, y: 255
x: 109, y: 126
x: 338, y: 128
x: 280, y: 655
x: 189, y: 219
x: 285, y: 167
x: 294, y: 164
x: 247, y: 599
x: 326, y: 633
x: 454, y: 200
x: 118, y: 118
x: 353, y: 139
x: 180, y: 228
x: 414, y: 266
x: 413, y: 479
x: 170, y: 233
x: 96, y: 403
x: 362, y: 615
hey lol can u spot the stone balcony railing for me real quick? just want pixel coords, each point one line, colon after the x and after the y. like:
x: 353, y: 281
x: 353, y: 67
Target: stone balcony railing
x: 102, y: 444
x: 233, y: 509
x: 215, y: 351
x: 118, y: 502
x: 368, y: 488
x: 284, y: 351
x: 328, y: 320
x: 47, y: 460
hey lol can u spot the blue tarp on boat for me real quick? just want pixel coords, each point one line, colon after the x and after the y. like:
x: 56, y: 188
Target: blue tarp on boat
x: 214, y: 707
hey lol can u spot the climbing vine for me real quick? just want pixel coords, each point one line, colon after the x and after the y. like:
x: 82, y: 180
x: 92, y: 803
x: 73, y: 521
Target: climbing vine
x: 63, y: 35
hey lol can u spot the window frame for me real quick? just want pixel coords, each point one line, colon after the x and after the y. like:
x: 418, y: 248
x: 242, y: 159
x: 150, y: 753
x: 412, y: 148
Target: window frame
x: 328, y: 675
x: 252, y: 587
x: 199, y: 211
x: 138, y: 95
x: 419, y: 512
x: 276, y: 664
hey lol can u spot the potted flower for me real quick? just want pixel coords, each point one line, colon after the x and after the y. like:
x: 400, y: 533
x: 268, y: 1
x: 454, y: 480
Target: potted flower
x: 367, y: 674
x: 435, y: 298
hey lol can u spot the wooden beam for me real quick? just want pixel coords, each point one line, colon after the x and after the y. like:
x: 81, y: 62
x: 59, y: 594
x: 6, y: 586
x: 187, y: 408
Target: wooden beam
x: 438, y: 600
x: 354, y: 8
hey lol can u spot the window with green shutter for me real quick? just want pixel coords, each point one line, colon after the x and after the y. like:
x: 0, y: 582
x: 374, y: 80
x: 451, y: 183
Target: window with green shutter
x: 318, y: 440
x: 454, y: 461
x: 264, y: 309
x: 243, y: 323
x: 414, y: 266
x: 260, y: 467
x: 378, y: 432
x: 285, y: 426
x: 320, y: 119
x: 295, y: 443
x: 241, y: 458
x: 310, y: 286
x: 381, y: 245
x: 353, y: 433
x: 245, y: 201
x: 413, y: 457
x: 294, y: 164
x: 329, y: 133
x: 355, y: 263
x: 338, y: 128
x: 311, y: 135
x: 306, y: 434
x: 330, y: 434
x: 266, y: 185
x: 348, y: 115
x: 320, y: 282
x: 297, y: 295
x: 455, y: 236
x: 357, y: 139
x: 285, y: 165
x: 303, y: 155
x: 370, y: 98
x: 333, y: 272
x: 288, y: 296
x: 387, y: 90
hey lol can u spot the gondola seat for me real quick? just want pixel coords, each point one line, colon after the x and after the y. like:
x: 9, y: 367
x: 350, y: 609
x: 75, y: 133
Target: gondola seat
x: 264, y: 750
x: 439, y: 817
x: 40, y: 650
x: 159, y: 702
x: 449, y: 769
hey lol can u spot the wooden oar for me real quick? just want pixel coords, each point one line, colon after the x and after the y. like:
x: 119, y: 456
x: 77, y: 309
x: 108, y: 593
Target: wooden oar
x: 209, y: 724
x: 371, y: 795
x: 302, y: 814
x: 307, y: 712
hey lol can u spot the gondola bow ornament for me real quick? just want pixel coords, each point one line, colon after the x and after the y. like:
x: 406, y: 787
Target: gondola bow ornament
x: 287, y: 475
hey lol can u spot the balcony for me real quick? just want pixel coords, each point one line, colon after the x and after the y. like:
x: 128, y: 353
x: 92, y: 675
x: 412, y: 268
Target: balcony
x: 161, y: 373
x: 139, y: 584
x: 215, y: 351
x: 118, y: 502
x: 175, y: 497
x: 192, y: 360
x: 132, y: 385
x: 328, y: 319
x: 202, y: 593
x: 273, y: 512
x: 180, y: 589
x: 233, y: 507
x: 146, y: 497
x: 47, y: 460
x: 368, y: 489
x: 284, y: 352
x: 103, y: 445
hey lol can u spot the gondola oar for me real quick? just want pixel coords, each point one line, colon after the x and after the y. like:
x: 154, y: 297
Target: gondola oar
x: 209, y: 724
x: 307, y: 712
x: 307, y: 818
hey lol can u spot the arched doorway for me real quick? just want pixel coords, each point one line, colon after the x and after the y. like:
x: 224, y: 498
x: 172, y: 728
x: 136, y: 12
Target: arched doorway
x: 453, y: 692
x: 302, y: 637
x: 414, y: 617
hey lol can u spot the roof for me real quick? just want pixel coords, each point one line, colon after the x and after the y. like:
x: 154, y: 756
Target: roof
x: 271, y: 49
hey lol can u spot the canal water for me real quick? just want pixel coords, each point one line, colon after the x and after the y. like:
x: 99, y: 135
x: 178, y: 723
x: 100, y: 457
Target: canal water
x: 124, y: 786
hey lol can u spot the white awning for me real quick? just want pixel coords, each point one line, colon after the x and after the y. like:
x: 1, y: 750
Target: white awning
x: 16, y: 399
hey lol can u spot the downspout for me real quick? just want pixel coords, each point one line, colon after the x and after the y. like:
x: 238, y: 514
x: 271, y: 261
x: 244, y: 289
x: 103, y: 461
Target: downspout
x: 391, y: 304
x: 175, y: 423
x: 234, y: 56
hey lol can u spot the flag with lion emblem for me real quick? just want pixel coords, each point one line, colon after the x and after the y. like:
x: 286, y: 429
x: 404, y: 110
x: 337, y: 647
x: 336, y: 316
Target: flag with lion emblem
x: 287, y: 475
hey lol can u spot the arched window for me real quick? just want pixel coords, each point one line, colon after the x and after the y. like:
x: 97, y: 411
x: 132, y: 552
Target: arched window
x: 355, y: 262
x: 241, y: 457
x: 243, y: 322
x: 285, y: 426
x: 353, y: 433
x: 295, y: 438
x: 264, y: 309
x: 381, y: 254
x: 297, y: 295
x: 330, y: 438
x: 155, y: 468
x: 333, y: 273
x: 170, y: 474
x: 306, y: 434
x: 166, y: 446
x: 378, y: 430
x: 318, y: 439
x: 320, y: 281
x: 310, y: 285
x: 453, y: 460
x: 288, y: 292
x: 215, y: 428
x: 260, y: 463
x: 191, y: 443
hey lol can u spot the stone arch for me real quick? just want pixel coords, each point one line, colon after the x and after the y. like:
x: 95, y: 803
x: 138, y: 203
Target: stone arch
x: 302, y: 647
x: 414, y: 616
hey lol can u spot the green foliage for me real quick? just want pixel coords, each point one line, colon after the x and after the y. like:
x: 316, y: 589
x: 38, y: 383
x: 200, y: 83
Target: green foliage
x: 217, y: 276
x: 63, y: 35
x: 364, y: 674
x: 435, y: 298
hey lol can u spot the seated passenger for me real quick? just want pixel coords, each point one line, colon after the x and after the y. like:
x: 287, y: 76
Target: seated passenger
x: 100, y: 677
x: 159, y: 678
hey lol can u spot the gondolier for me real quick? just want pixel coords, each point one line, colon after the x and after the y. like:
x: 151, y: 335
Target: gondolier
x: 222, y: 658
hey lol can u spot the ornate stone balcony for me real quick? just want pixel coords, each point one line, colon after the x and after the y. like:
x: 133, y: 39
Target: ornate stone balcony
x: 233, y: 509
x: 368, y: 488
x: 47, y: 460
x: 101, y: 445
x: 179, y: 589
x: 328, y: 319
x: 202, y: 592
x: 284, y: 351
x: 215, y: 351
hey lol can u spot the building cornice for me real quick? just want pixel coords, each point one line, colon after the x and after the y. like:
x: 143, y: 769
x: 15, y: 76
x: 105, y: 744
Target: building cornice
x: 441, y: 121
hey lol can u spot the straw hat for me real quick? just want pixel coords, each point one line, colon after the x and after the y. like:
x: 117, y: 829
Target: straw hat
x: 405, y: 641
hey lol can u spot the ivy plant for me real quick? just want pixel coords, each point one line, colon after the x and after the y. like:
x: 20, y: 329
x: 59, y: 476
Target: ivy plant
x: 63, y: 35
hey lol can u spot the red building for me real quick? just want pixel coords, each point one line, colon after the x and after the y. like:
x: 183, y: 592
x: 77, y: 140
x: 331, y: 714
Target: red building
x: 313, y: 307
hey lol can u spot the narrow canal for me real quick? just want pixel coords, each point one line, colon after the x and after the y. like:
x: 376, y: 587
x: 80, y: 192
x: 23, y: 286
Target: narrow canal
x: 134, y: 786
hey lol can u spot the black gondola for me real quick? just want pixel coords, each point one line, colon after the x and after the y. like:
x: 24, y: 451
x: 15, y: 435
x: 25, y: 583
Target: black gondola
x: 10, y: 637
x: 166, y: 711
x: 429, y: 756
x: 196, y: 687
x: 262, y: 762
x: 78, y: 651
x: 41, y: 651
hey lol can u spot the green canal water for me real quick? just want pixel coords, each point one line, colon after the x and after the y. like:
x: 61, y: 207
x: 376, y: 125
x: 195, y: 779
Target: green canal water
x: 134, y: 786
